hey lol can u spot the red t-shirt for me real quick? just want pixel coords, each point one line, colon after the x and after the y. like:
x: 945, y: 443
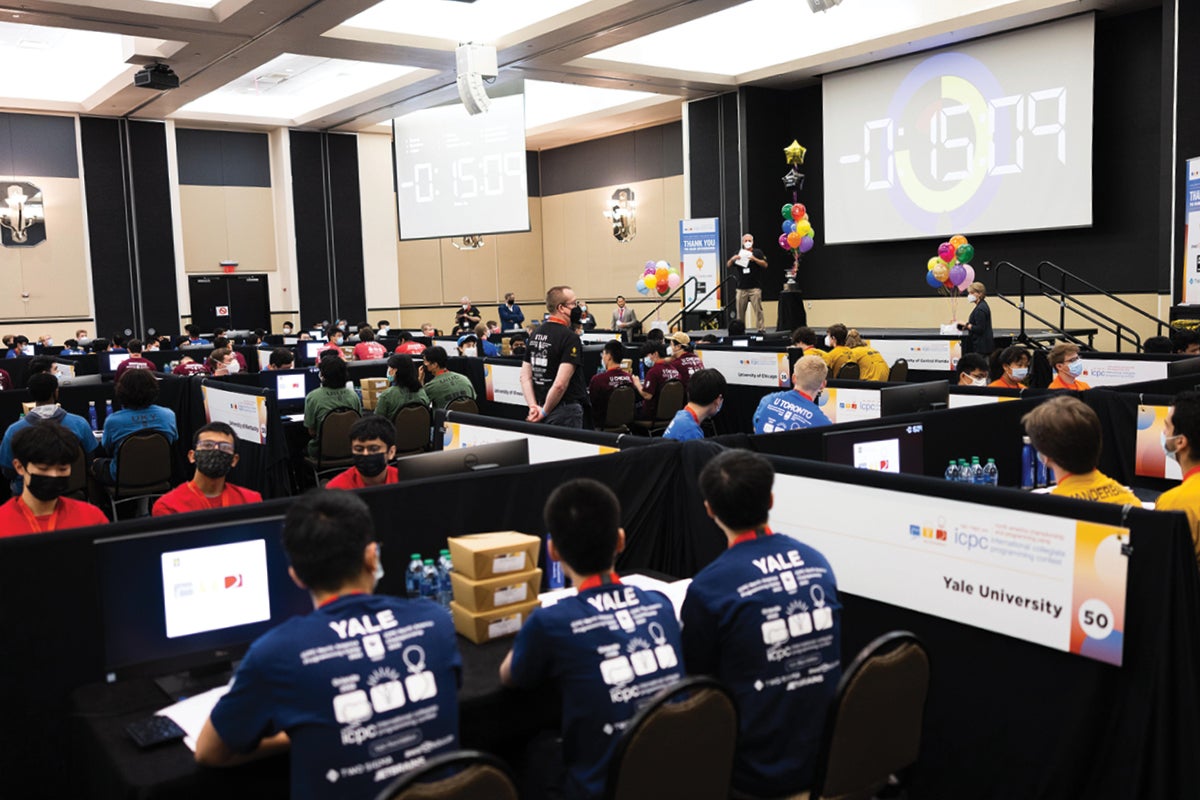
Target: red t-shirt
x: 330, y: 346
x: 411, y: 348
x: 16, y: 518
x: 185, y: 497
x: 352, y: 479
x: 365, y: 351
x: 190, y: 368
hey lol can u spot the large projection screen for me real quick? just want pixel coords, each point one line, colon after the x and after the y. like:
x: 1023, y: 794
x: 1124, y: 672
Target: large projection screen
x: 459, y: 174
x: 994, y: 135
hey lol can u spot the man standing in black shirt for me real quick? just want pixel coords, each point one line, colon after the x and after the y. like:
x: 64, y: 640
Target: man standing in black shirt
x: 466, y: 318
x: 750, y: 264
x: 551, y: 377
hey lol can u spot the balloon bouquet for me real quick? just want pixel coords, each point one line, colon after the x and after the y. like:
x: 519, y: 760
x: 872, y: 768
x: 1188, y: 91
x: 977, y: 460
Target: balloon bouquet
x: 949, y: 271
x: 658, y: 277
x: 798, y: 231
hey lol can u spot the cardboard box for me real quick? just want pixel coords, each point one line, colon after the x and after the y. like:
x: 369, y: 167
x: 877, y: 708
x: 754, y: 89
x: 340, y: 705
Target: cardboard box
x: 488, y: 555
x: 493, y: 593
x: 371, y: 389
x: 495, y: 624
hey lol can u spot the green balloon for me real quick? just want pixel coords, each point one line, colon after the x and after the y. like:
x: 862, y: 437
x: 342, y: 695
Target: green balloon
x: 787, y: 210
x: 965, y: 253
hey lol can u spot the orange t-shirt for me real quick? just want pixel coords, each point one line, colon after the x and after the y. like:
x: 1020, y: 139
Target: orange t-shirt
x: 1077, y: 386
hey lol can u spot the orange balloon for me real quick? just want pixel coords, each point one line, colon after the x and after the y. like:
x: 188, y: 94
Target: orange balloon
x: 794, y: 240
x: 941, y: 273
x: 957, y: 241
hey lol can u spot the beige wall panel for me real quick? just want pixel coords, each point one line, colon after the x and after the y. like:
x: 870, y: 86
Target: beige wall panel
x: 54, y: 273
x: 519, y: 255
x: 250, y: 222
x: 420, y: 272
x: 205, y: 231
x: 469, y: 272
x: 555, y: 234
x: 379, y: 229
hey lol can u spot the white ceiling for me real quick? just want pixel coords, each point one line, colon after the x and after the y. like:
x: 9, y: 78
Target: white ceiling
x: 593, y: 67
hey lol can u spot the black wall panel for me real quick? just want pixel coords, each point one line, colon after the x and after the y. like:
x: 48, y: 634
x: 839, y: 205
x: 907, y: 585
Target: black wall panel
x: 636, y: 156
x: 312, y: 234
x: 1187, y: 128
x: 223, y: 158
x: 347, y: 227
x: 158, y: 299
x: 108, y: 221
x: 31, y: 144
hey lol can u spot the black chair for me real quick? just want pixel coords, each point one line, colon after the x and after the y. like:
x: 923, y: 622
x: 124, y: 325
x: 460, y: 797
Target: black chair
x: 462, y: 403
x: 333, y: 439
x: 143, y: 471
x: 77, y: 487
x: 621, y: 410
x: 899, y: 371
x: 461, y: 775
x: 680, y: 745
x: 413, y: 425
x: 873, y: 731
x: 671, y: 399
x: 849, y: 371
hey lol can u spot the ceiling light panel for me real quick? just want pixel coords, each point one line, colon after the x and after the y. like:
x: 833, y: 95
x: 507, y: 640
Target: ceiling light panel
x: 189, y: 3
x: 483, y: 21
x: 547, y: 102
x: 58, y: 65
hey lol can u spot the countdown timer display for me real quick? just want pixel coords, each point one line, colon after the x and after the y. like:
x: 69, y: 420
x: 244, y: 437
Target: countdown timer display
x: 459, y: 174
x: 995, y: 135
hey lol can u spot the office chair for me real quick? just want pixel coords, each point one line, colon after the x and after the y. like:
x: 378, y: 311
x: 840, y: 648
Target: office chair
x: 899, y: 371
x: 464, y: 775
x: 671, y: 399
x: 143, y: 471
x: 413, y: 425
x: 333, y: 438
x: 621, y: 410
x: 849, y: 371
x: 463, y: 404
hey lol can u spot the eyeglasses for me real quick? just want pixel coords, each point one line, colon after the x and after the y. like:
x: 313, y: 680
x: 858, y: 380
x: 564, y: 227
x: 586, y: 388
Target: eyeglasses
x: 224, y: 447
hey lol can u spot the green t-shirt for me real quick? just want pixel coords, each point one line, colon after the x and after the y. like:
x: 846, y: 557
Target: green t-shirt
x: 447, y: 386
x: 394, y: 398
x: 320, y: 402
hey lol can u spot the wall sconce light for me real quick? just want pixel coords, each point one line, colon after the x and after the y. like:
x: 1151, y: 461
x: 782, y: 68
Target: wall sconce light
x: 622, y: 213
x: 21, y: 212
x: 468, y: 242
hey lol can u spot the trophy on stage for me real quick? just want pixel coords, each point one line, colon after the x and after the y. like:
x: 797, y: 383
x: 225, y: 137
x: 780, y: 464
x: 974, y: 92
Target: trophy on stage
x: 798, y: 231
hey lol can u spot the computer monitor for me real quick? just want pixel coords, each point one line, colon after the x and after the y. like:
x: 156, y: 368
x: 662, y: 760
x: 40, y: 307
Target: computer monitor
x: 312, y: 350
x: 192, y: 598
x: 63, y: 370
x: 887, y: 448
x: 908, y: 398
x: 113, y: 360
x: 291, y: 386
x: 464, y: 459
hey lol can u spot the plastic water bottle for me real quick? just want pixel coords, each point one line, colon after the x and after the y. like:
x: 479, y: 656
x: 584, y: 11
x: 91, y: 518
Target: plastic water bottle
x: 412, y: 576
x: 1039, y: 472
x: 952, y: 471
x: 107, y: 409
x: 1028, y: 464
x: 977, y: 477
x: 554, y: 575
x: 991, y: 473
x: 964, y: 472
x: 429, y: 580
x: 444, y: 567
x: 1051, y: 478
x: 92, y: 415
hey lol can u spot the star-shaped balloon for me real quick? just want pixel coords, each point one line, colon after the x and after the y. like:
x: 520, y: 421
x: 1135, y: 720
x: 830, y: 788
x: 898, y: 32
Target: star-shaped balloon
x: 795, y: 153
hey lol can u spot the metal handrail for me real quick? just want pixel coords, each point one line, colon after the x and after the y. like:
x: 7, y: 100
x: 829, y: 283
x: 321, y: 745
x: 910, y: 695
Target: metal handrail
x: 1065, y: 273
x: 670, y: 297
x: 1048, y: 291
x: 696, y: 302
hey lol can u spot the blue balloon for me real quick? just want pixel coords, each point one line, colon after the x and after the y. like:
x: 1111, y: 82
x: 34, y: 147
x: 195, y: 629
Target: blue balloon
x: 642, y: 288
x: 789, y: 226
x: 932, y: 281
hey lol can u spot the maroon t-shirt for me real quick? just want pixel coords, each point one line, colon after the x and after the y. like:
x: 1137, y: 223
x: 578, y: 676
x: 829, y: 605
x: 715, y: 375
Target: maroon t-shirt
x: 601, y: 387
x: 656, y: 378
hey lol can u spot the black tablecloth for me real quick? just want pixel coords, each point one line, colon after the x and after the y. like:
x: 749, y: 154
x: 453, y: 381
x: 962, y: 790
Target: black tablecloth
x: 791, y: 311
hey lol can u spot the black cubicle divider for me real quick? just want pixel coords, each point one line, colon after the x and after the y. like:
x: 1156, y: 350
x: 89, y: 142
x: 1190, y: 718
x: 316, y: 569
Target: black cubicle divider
x: 261, y: 467
x: 617, y: 440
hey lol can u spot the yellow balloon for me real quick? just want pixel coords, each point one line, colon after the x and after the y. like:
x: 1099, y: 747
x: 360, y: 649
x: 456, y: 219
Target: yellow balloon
x: 934, y: 263
x: 649, y: 280
x: 804, y: 228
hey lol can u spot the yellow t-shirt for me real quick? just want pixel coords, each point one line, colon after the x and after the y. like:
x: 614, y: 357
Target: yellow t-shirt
x: 1097, y: 486
x: 1186, y: 498
x: 871, y: 366
x: 836, y: 359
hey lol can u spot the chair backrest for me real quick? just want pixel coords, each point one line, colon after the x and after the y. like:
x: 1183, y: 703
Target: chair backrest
x: 413, y: 424
x: 463, y: 404
x: 77, y: 485
x: 849, y: 371
x: 334, y: 434
x: 621, y: 409
x: 680, y: 745
x: 899, y: 371
x: 671, y: 399
x: 143, y: 463
x: 461, y: 775
x: 874, y: 724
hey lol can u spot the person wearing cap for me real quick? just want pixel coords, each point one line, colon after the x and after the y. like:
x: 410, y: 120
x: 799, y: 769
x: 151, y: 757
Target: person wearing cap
x: 682, y: 356
x: 468, y: 345
x: 404, y: 387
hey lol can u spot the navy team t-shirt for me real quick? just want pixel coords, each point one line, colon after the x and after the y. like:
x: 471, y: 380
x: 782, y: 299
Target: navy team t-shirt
x: 366, y: 687
x: 764, y: 619
x: 610, y: 648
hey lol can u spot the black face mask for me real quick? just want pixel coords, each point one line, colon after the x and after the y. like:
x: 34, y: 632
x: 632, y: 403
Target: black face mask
x: 370, y: 464
x: 576, y: 315
x: 214, y: 463
x: 46, y: 487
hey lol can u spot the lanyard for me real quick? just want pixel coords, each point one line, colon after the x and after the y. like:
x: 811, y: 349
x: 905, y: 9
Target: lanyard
x: 224, y: 496
x: 695, y: 416
x: 757, y: 533
x: 36, y: 526
x: 598, y: 580
x: 337, y: 597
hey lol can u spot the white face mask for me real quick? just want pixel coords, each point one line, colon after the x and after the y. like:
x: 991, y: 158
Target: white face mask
x: 972, y: 298
x: 748, y: 245
x: 469, y: 352
x: 979, y: 381
x: 648, y: 361
x: 1075, y: 367
x: 234, y: 367
x: 1171, y: 454
x: 829, y: 341
x: 1020, y: 373
x: 383, y: 331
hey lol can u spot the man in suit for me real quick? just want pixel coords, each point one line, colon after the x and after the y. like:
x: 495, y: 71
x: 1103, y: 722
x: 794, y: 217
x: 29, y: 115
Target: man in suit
x: 623, y: 318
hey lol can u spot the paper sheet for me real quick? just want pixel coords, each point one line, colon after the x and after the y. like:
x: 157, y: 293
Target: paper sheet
x: 191, y: 713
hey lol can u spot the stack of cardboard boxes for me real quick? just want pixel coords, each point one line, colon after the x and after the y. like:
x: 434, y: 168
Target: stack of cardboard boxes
x: 496, y: 581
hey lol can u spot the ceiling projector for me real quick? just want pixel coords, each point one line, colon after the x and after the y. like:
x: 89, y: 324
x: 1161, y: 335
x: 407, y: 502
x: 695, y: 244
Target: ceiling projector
x: 156, y: 76
x: 823, y: 5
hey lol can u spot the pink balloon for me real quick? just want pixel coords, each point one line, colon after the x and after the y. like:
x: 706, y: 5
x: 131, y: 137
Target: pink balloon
x: 673, y: 281
x: 649, y: 270
x: 806, y: 244
x: 946, y: 252
x: 783, y: 241
x: 968, y: 276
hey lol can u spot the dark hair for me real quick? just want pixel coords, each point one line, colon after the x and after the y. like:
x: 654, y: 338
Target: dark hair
x: 615, y: 350
x: 331, y: 330
x: 705, y: 386
x: 583, y: 517
x: 71, y: 343
x: 221, y: 341
x: 804, y: 335
x: 405, y: 335
x: 137, y: 388
x: 42, y: 387
x: 281, y: 357
x: 45, y: 443
x: 710, y: 338
x: 213, y: 427
x: 1182, y: 337
x: 324, y: 534
x: 971, y: 362
x: 655, y: 335
x: 1066, y: 431
x: 19, y: 339
x: 366, y: 335
x: 406, y: 372
x: 39, y: 364
x: 838, y: 331
x: 737, y: 486
x: 373, y: 426
x: 1157, y: 344
x: 135, y: 345
x: 654, y: 347
x: 1185, y: 419
x: 436, y: 355
x: 288, y: 322
x: 192, y: 329
x: 218, y: 332
x: 333, y: 372
x: 737, y: 327
x: 382, y: 323
x: 1011, y: 355
x: 99, y: 344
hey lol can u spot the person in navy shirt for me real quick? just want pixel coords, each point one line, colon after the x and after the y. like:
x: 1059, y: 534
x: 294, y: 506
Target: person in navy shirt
x: 764, y: 619
x: 706, y: 394
x: 610, y: 648
x: 136, y: 392
x: 797, y: 407
x: 511, y: 315
x: 363, y: 689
